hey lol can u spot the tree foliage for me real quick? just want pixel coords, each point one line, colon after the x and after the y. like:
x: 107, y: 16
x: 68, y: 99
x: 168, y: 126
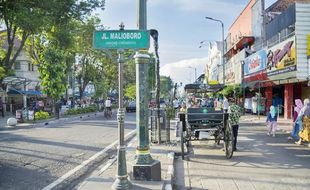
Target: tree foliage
x: 130, y: 91
x: 23, y: 18
x: 231, y: 91
x: 166, y: 86
x: 52, y: 72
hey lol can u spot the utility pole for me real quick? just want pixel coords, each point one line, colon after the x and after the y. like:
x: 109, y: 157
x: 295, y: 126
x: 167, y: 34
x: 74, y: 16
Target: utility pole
x: 144, y: 168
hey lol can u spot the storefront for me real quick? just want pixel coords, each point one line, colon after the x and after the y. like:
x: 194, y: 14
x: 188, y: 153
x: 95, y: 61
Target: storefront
x: 255, y: 81
x: 274, y: 71
x: 281, y: 68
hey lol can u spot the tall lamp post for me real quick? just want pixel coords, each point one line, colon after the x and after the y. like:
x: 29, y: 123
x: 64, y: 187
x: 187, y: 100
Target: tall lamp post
x: 222, y: 24
x: 121, y: 182
x: 195, y: 72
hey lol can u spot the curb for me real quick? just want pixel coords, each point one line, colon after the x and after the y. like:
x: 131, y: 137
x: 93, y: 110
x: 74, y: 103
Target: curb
x: 170, y: 172
x: 48, y: 123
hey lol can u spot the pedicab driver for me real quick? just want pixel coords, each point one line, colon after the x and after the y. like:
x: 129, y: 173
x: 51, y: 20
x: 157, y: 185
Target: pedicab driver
x: 235, y: 113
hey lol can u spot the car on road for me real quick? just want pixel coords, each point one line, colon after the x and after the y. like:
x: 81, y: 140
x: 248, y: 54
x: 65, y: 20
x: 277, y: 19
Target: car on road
x: 131, y: 107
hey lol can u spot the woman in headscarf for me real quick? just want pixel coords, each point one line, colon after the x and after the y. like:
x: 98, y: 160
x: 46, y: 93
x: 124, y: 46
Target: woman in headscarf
x: 272, y: 122
x: 297, y: 121
x: 304, y: 134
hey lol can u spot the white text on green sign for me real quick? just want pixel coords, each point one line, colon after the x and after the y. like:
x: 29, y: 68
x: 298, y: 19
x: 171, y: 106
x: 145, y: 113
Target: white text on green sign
x: 121, y: 39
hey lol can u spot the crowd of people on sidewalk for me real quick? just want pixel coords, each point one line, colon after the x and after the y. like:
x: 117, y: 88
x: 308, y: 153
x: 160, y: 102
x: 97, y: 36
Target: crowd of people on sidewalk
x: 301, y: 122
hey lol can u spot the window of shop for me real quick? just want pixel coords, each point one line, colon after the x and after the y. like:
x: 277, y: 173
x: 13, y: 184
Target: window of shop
x: 30, y: 67
x: 278, y: 98
x: 17, y: 66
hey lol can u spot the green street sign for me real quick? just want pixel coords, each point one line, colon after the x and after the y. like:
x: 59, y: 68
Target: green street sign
x: 121, y: 39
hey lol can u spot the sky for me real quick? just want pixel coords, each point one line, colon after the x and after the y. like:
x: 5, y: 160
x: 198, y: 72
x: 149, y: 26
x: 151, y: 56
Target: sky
x: 182, y: 26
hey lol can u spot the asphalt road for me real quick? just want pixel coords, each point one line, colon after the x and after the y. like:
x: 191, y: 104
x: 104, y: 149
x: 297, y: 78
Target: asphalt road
x: 36, y: 157
x: 261, y: 163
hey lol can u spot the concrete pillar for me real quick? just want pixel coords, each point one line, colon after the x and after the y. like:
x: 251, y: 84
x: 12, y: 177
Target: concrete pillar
x: 288, y: 100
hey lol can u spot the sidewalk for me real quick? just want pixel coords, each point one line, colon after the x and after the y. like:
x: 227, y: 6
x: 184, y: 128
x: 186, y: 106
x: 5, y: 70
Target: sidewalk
x: 104, y: 176
x: 284, y: 125
x: 41, y: 123
x: 261, y: 162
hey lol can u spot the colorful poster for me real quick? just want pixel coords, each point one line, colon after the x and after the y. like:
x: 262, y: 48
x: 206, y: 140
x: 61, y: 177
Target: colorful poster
x: 281, y: 58
x: 229, y: 71
x: 255, y: 62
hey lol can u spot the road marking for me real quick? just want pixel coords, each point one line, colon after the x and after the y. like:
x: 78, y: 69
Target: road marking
x: 71, y: 172
x: 111, y: 161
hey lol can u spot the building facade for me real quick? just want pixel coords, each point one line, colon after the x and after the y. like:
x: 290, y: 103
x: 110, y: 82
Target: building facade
x: 267, y: 52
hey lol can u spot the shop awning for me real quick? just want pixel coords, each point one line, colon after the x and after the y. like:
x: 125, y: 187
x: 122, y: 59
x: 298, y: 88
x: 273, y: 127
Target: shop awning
x: 260, y: 76
x: 27, y: 92
x: 202, y: 88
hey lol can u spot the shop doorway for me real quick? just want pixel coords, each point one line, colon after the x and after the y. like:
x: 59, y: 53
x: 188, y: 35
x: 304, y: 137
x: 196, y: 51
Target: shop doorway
x: 278, y: 98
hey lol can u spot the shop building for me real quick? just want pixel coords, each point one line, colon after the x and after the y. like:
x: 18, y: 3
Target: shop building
x: 214, y: 63
x: 280, y: 69
x: 267, y: 51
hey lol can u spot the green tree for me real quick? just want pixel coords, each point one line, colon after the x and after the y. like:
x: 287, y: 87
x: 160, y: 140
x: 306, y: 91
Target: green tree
x: 166, y: 86
x: 130, y: 91
x: 23, y: 18
x: 52, y: 72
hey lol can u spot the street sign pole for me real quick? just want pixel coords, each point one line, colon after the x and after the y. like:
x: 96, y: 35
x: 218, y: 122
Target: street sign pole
x: 121, y: 182
x: 120, y: 40
x: 145, y: 167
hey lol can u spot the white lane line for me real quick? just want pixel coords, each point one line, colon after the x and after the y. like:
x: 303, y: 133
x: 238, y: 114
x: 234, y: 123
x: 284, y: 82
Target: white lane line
x: 111, y: 161
x: 71, y: 172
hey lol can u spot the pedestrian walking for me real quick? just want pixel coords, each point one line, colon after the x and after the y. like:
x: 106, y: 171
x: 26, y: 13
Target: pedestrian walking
x: 235, y: 113
x: 225, y: 104
x: 297, y: 120
x: 304, y: 134
x: 176, y: 105
x: 272, y: 122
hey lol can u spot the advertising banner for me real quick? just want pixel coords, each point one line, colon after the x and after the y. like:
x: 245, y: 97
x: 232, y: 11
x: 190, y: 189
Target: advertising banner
x: 308, y: 46
x: 255, y: 62
x: 281, y: 58
x: 229, y: 71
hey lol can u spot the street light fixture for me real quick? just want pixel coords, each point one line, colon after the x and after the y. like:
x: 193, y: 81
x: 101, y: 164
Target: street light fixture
x: 222, y: 24
x: 195, y: 71
x: 121, y: 182
x: 202, y: 43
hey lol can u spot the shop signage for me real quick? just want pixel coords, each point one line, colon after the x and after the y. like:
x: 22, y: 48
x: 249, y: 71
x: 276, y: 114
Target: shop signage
x: 308, y: 46
x: 281, y: 57
x: 230, y: 76
x: 121, y: 39
x: 229, y: 71
x: 281, y: 71
x: 255, y: 62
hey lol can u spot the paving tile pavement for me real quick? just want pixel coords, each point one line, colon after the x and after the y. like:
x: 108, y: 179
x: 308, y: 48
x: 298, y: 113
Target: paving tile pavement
x: 104, y: 176
x: 252, y: 167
